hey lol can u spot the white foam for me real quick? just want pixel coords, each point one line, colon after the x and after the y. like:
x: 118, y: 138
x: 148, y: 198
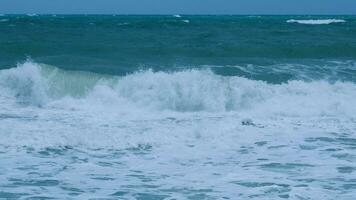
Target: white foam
x: 316, y: 21
x: 177, y: 16
x: 185, y: 21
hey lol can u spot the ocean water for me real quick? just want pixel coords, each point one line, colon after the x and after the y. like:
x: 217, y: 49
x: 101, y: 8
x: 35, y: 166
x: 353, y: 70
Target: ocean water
x: 177, y: 107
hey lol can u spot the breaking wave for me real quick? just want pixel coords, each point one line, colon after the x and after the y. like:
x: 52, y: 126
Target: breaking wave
x: 183, y: 91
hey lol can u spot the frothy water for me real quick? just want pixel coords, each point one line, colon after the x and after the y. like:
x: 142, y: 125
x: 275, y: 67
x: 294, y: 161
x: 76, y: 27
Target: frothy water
x: 189, y: 134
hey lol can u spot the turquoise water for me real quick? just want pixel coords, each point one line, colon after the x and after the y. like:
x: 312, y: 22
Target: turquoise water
x: 177, y: 107
x: 227, y: 44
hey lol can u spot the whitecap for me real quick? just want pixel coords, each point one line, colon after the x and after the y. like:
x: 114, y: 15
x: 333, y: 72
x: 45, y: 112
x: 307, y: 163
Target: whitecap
x: 316, y: 21
x: 254, y: 16
x: 177, y: 16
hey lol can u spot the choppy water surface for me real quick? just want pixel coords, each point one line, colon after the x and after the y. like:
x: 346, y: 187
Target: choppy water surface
x: 220, y: 126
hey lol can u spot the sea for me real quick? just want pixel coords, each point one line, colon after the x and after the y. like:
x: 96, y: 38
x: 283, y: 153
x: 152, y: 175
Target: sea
x: 177, y: 107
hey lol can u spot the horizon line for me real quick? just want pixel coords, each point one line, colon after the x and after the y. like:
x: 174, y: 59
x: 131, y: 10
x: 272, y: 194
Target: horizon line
x: 169, y: 14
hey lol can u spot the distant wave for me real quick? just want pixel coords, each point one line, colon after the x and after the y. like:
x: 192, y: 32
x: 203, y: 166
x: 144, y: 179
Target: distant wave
x: 178, y: 16
x: 123, y: 24
x: 254, y: 16
x: 316, y: 21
